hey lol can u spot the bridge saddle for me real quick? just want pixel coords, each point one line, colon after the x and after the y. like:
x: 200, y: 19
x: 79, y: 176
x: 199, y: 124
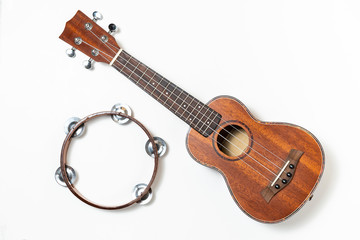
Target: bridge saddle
x: 284, y: 176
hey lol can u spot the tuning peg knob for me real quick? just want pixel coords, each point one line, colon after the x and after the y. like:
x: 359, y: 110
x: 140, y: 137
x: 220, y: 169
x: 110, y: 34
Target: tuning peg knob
x: 112, y: 28
x: 97, y: 16
x: 71, y: 52
x: 88, y: 64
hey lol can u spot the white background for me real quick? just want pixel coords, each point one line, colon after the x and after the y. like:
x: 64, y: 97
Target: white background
x: 289, y: 61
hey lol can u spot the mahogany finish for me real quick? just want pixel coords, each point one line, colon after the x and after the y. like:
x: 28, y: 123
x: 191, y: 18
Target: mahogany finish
x: 267, y: 146
x: 91, y: 39
x: 244, y: 183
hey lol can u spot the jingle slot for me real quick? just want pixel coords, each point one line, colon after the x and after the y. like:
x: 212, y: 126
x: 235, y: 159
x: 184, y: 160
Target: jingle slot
x: 70, y: 172
x: 160, y: 145
x: 138, y: 190
x: 70, y: 124
x: 121, y: 108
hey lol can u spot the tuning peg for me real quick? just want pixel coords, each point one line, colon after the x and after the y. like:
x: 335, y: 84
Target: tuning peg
x: 112, y: 28
x: 88, y: 64
x: 71, y: 52
x: 97, y: 16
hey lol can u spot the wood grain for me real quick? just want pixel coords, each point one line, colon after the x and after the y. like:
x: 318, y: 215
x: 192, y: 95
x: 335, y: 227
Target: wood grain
x: 91, y: 39
x: 244, y: 183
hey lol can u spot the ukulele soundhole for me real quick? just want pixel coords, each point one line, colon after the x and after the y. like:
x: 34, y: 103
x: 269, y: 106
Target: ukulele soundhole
x: 233, y: 140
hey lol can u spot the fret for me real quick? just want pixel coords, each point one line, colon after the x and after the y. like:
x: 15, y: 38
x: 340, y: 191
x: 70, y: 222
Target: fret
x: 178, y: 95
x: 180, y: 99
x: 192, y: 99
x: 165, y: 83
x: 206, y: 122
x: 150, y: 80
x: 185, y: 115
x: 196, y: 120
x: 183, y: 107
x: 157, y: 79
x: 203, y: 117
x: 134, y: 70
x: 162, y: 93
x: 167, y: 98
x: 185, y: 104
x: 156, y: 88
x: 142, y: 75
x: 171, y: 89
x: 125, y: 63
x: 198, y: 115
x: 193, y: 105
x: 127, y: 73
x: 158, y: 83
x: 149, y: 87
x: 163, y: 98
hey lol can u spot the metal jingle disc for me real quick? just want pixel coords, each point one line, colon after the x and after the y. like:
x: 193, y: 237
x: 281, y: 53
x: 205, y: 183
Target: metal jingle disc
x: 70, y: 124
x: 71, y: 174
x: 122, y: 108
x: 160, y: 145
x: 138, y: 190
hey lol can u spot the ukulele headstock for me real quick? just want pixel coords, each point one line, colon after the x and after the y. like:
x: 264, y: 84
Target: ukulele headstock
x: 85, y: 35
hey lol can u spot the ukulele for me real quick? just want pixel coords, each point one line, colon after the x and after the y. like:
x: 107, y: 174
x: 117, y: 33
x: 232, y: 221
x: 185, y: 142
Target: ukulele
x: 271, y: 169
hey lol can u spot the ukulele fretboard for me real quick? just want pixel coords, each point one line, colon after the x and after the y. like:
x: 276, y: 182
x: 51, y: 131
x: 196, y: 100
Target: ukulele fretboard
x: 196, y: 114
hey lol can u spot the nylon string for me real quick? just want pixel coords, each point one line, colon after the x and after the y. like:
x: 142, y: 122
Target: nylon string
x: 168, y: 97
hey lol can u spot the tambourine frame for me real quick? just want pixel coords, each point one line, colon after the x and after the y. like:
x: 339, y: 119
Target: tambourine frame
x: 64, y: 151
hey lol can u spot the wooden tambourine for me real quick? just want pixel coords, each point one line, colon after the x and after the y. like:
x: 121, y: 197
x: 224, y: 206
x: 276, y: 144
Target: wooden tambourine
x: 64, y: 152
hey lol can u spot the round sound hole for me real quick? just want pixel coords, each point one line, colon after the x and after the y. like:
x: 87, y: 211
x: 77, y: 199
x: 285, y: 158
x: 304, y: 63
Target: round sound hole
x: 233, y: 140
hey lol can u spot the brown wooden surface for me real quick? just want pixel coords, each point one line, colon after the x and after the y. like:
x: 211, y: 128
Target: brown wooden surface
x: 75, y: 27
x: 244, y: 183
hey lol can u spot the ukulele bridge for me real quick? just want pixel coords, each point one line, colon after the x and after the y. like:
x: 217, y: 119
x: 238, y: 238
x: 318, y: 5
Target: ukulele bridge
x: 284, y: 176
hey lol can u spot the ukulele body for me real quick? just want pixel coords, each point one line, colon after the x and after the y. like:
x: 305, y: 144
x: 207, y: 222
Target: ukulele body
x: 265, y: 147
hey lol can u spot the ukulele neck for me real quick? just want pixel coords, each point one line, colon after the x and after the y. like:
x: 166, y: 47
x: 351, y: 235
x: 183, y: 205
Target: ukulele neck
x: 196, y: 114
